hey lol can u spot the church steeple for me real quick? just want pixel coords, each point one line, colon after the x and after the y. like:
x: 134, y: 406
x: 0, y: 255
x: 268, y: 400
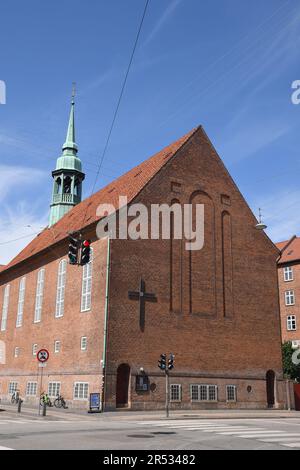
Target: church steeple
x: 68, y: 175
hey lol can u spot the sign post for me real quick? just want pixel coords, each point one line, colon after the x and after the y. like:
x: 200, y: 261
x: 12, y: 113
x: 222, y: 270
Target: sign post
x: 42, y: 356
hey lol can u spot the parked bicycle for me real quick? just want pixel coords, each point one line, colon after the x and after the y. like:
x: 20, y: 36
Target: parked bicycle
x: 15, y: 397
x: 44, y: 399
x: 60, y: 402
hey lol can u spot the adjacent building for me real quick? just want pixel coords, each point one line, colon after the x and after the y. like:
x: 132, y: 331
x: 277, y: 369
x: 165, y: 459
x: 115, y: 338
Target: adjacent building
x: 105, y: 324
x: 289, y: 289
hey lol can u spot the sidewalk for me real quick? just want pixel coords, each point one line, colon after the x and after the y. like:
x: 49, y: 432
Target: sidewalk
x: 152, y: 415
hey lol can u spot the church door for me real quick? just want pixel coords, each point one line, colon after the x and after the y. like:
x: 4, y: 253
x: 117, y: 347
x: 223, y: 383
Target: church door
x: 123, y: 376
x: 270, y: 383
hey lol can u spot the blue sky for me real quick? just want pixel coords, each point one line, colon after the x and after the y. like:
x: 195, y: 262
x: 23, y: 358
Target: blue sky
x: 227, y: 65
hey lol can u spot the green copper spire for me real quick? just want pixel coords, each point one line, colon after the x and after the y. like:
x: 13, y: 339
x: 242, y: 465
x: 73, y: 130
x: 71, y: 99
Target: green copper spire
x: 68, y: 174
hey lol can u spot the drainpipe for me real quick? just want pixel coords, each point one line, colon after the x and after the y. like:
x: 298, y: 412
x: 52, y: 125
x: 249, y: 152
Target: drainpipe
x: 104, y: 355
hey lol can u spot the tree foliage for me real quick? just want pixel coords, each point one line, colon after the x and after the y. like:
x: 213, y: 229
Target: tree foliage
x: 290, y: 369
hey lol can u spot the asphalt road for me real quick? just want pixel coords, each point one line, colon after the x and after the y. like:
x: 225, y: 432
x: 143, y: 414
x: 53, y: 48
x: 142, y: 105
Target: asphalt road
x: 101, y: 432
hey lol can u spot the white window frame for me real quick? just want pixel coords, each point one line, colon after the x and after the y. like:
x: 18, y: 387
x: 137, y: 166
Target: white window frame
x: 54, y: 389
x: 175, y: 389
x: 31, y: 389
x: 21, y: 300
x: 83, y: 343
x: 231, y: 395
x: 34, y: 349
x: 81, y: 387
x: 57, y: 349
x: 291, y: 323
x: 288, y: 274
x: 39, y: 295
x: 296, y: 344
x: 61, y: 287
x: 17, y: 351
x: 5, y: 307
x: 87, y: 282
x: 289, y: 296
x: 205, y: 392
x: 12, y: 387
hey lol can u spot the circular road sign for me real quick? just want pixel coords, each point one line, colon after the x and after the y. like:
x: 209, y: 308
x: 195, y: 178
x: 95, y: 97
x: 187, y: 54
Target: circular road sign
x: 42, y: 355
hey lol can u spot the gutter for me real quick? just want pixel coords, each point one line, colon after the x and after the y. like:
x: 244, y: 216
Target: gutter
x: 105, y: 334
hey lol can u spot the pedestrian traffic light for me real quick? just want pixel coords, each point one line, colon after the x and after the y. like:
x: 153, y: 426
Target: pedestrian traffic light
x: 85, y: 252
x: 73, y: 250
x: 162, y: 363
x: 171, y: 362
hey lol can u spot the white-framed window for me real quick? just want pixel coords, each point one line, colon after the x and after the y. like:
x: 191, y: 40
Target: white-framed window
x: 34, y: 349
x: 204, y: 392
x: 175, y: 392
x: 57, y: 346
x: 81, y: 390
x: 291, y: 323
x: 5, y: 307
x: 31, y: 389
x: 61, y: 285
x: 83, y: 343
x: 22, y: 287
x: 230, y: 392
x: 86, y: 291
x: 53, y: 389
x: 39, y: 295
x: 12, y: 387
x: 288, y: 274
x: 17, y: 351
x: 289, y: 297
x: 296, y: 344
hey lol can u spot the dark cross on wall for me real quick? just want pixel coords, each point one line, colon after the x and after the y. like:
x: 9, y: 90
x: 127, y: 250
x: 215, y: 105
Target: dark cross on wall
x: 142, y: 296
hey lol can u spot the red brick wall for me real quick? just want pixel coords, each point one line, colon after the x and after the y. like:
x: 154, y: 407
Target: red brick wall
x: 285, y: 310
x: 245, y: 341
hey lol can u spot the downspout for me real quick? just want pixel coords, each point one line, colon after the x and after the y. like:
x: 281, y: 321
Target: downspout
x: 104, y: 354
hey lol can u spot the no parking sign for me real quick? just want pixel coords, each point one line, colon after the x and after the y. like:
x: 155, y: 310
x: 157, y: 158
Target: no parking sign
x: 43, y: 355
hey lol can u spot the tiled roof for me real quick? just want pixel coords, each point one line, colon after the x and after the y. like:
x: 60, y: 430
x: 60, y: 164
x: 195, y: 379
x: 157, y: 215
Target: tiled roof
x: 290, y: 250
x: 84, y: 214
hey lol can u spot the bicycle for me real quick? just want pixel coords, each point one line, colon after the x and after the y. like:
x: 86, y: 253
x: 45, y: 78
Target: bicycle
x: 15, y: 397
x: 44, y: 399
x: 60, y: 402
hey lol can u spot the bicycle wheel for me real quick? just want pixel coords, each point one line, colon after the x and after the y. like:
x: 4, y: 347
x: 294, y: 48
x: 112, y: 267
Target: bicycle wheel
x: 42, y: 401
x: 58, y: 403
x: 13, y: 400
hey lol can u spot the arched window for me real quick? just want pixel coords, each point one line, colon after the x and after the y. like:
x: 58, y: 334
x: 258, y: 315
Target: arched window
x: 21, y: 300
x: 61, y: 284
x: 39, y: 295
x: 5, y: 308
x: 86, y: 293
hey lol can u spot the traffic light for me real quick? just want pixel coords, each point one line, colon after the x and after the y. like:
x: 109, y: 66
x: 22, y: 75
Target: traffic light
x: 171, y: 362
x: 73, y: 250
x: 85, y: 252
x: 162, y: 363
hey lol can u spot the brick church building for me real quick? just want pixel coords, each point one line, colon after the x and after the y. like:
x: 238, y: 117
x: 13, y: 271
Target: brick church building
x: 216, y: 309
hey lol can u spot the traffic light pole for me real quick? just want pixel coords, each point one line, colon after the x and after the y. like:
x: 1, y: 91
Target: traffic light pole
x: 167, y: 393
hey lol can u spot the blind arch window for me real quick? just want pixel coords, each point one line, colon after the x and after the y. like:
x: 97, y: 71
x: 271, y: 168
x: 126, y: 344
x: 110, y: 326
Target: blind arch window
x: 61, y: 286
x: 5, y: 307
x: 86, y: 292
x: 39, y: 295
x: 22, y: 287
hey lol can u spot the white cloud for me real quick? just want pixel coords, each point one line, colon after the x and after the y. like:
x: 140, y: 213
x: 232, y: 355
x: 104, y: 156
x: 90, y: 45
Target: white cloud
x: 13, y: 177
x: 162, y: 20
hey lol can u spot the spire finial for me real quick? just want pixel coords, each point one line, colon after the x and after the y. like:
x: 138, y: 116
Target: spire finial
x: 70, y: 145
x: 73, y: 92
